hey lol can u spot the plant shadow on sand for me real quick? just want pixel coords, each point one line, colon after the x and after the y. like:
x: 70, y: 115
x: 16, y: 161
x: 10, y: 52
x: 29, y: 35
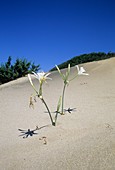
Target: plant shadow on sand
x: 26, y: 133
x: 69, y: 110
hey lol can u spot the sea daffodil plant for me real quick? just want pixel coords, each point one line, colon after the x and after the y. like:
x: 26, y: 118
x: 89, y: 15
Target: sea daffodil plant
x: 66, y: 82
x: 42, y: 77
x: 65, y: 77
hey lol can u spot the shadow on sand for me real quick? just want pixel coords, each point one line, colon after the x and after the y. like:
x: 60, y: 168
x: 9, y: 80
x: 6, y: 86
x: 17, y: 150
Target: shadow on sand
x: 26, y: 133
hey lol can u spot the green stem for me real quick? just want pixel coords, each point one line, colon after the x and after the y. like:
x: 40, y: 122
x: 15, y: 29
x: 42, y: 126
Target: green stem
x: 40, y: 89
x: 63, y: 97
x: 56, y: 117
x: 53, y: 123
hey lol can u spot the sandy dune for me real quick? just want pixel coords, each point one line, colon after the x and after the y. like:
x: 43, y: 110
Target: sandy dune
x: 82, y: 140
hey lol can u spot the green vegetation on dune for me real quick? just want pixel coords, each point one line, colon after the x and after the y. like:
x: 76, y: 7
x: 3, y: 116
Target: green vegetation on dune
x: 20, y: 68
x: 84, y: 58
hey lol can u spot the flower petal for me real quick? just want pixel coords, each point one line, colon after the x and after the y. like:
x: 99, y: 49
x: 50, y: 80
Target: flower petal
x: 81, y: 71
x: 29, y: 77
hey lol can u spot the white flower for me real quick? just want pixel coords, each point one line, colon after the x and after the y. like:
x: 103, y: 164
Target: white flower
x: 41, y: 76
x: 81, y: 71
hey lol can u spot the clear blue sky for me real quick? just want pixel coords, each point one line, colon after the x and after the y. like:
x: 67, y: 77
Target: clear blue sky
x: 49, y: 32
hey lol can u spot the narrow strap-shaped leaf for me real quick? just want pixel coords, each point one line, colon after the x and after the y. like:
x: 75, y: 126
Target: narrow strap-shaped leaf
x: 62, y: 75
x: 68, y: 72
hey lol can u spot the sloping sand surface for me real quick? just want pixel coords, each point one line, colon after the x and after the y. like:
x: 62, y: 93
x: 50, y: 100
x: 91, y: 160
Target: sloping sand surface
x: 82, y: 140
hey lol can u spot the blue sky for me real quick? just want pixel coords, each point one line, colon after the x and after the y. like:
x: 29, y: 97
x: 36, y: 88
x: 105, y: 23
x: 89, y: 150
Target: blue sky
x: 49, y: 32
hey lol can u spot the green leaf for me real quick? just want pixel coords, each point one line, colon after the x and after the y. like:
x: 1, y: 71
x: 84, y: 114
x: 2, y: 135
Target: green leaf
x: 62, y: 75
x: 68, y: 72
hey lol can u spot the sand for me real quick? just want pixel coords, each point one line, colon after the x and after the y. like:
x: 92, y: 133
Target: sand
x: 82, y: 140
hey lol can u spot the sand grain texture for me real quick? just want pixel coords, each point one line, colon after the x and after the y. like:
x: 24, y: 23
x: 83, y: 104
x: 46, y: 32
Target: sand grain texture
x: 82, y: 140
